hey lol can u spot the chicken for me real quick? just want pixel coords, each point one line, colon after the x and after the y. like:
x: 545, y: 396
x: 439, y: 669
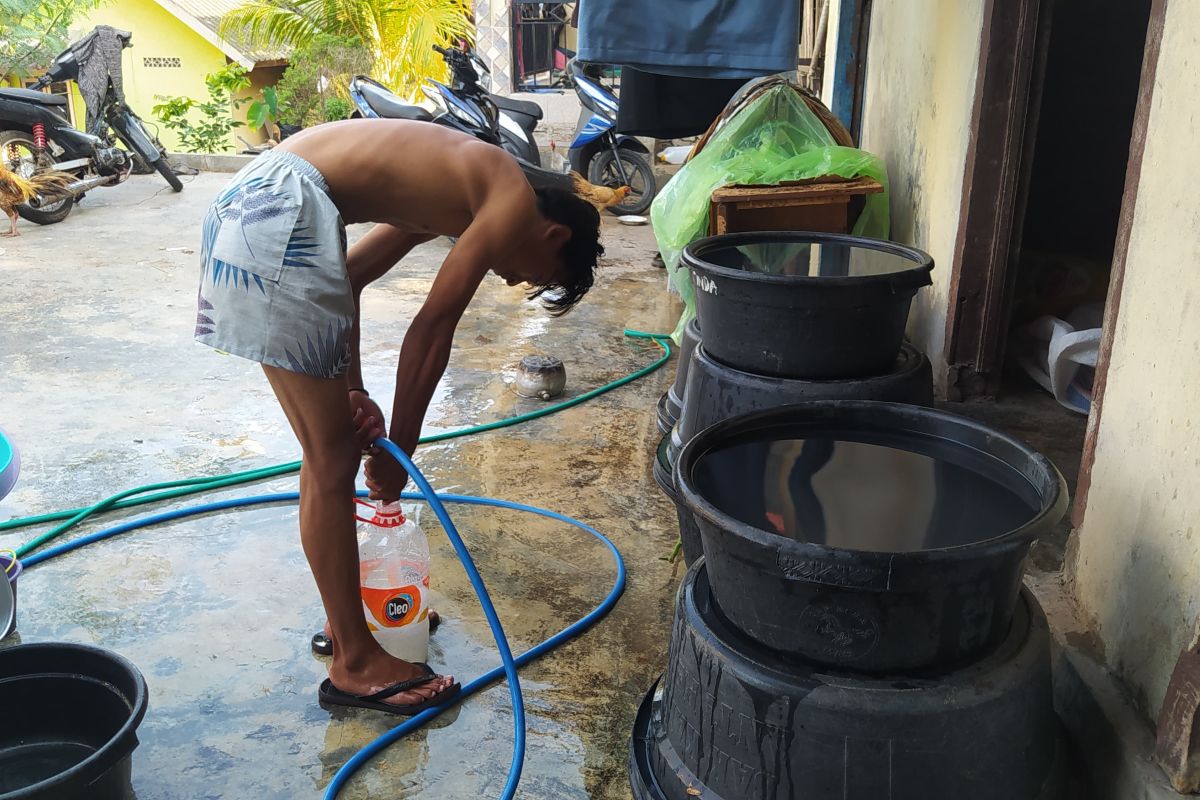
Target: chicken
x: 15, y: 190
x: 601, y: 197
x: 558, y: 162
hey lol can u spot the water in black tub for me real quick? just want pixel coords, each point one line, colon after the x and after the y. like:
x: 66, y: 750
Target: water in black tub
x: 860, y: 496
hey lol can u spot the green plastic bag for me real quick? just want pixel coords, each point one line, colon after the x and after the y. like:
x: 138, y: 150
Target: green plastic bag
x: 776, y: 138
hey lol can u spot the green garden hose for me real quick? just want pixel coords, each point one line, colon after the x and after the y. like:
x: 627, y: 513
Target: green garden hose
x: 170, y: 490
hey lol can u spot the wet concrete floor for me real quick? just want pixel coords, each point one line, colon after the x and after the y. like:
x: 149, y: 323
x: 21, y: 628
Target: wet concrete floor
x: 103, y: 389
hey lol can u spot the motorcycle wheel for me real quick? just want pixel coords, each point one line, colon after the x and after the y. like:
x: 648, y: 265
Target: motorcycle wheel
x: 642, y: 186
x: 20, y: 156
x: 168, y: 174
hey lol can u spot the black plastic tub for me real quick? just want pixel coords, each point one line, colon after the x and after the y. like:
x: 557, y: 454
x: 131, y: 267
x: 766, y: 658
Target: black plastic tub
x: 671, y: 404
x: 867, y: 536
x: 804, y: 305
x: 732, y: 720
x: 689, y: 534
x: 718, y: 391
x: 11, y: 569
x: 71, y: 714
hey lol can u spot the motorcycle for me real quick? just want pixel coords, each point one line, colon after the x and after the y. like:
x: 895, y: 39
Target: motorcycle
x: 36, y: 133
x: 606, y: 158
x: 463, y: 105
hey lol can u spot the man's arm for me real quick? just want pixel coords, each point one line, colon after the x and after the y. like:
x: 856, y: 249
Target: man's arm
x: 497, y: 227
x: 368, y: 260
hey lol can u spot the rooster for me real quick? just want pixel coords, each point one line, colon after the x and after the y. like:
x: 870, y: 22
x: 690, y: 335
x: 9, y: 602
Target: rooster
x: 15, y: 190
x: 601, y: 197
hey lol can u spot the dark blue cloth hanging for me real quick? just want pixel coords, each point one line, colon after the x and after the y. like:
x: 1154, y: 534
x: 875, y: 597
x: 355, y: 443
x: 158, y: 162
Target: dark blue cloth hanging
x: 692, y: 38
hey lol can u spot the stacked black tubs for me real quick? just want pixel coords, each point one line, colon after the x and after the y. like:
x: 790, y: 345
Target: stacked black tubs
x: 732, y: 720
x: 790, y: 317
x: 857, y: 627
x: 852, y: 625
x: 670, y: 405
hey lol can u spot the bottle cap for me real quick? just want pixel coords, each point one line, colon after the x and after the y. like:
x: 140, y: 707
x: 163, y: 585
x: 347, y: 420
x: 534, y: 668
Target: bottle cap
x: 385, y: 514
x: 388, y: 515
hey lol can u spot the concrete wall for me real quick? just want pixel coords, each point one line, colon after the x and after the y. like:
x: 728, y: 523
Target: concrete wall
x: 1137, y: 554
x: 921, y: 66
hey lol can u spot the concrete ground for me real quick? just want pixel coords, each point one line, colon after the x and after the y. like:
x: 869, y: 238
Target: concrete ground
x: 103, y: 389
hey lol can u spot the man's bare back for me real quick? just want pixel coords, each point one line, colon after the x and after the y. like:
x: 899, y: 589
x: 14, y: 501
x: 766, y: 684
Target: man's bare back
x: 414, y: 176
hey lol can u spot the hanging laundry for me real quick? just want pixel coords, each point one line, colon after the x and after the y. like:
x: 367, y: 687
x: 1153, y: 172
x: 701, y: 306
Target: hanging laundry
x: 669, y: 107
x: 692, y: 38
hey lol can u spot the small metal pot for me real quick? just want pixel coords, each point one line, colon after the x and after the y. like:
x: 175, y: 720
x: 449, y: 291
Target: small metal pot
x: 543, y: 377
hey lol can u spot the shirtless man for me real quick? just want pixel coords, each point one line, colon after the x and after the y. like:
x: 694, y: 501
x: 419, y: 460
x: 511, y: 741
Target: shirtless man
x: 278, y: 287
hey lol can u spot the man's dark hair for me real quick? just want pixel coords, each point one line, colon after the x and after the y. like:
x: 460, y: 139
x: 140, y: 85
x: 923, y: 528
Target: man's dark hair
x: 579, y: 254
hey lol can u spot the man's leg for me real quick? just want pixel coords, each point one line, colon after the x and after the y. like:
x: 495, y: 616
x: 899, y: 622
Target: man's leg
x: 369, y: 260
x: 318, y: 411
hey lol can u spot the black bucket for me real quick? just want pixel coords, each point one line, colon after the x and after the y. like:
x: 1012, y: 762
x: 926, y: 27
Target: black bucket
x: 689, y: 534
x: 670, y: 405
x: 718, y: 391
x: 11, y: 569
x: 867, y: 536
x: 71, y: 717
x: 733, y: 720
x: 804, y: 305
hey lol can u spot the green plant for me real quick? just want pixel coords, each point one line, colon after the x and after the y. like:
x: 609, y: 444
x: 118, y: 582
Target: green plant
x: 337, y: 108
x: 32, y: 32
x: 318, y: 72
x: 264, y: 110
x: 398, y: 35
x: 210, y: 134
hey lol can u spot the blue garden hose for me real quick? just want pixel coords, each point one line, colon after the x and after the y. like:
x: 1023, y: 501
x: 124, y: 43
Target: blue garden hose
x: 509, y: 664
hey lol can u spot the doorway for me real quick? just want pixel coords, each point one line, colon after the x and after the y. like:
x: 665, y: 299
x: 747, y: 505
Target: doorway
x: 1056, y: 112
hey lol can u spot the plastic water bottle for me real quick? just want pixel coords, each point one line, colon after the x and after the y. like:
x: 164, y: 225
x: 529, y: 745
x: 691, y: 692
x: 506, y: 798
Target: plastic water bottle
x: 393, y: 558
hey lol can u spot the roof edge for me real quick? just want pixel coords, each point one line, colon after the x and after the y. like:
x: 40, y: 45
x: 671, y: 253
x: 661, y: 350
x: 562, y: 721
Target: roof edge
x: 224, y: 45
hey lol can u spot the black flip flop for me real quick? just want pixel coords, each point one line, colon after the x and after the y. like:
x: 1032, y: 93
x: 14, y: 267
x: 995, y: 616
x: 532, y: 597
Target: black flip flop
x: 330, y: 695
x: 323, y: 646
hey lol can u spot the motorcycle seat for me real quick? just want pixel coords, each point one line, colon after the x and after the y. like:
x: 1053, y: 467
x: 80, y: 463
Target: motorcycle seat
x: 31, y: 96
x: 518, y: 106
x: 388, y: 106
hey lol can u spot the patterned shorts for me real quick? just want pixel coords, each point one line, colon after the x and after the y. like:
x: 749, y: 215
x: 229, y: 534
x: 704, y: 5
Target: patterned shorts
x: 273, y: 283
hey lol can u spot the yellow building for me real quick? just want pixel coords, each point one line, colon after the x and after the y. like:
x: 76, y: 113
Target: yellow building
x: 175, y: 44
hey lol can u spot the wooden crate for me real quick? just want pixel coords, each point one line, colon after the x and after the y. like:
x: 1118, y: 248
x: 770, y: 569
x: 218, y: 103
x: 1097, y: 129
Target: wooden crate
x: 817, y: 205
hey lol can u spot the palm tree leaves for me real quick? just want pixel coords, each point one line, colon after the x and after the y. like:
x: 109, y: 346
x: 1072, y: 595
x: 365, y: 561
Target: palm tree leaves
x: 267, y: 23
x: 247, y: 204
x: 254, y: 204
x: 299, y: 248
x: 325, y: 356
x: 399, y: 34
x: 204, y: 323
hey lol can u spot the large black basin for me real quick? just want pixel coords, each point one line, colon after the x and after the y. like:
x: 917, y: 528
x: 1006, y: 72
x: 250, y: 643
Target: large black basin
x: 804, y: 305
x: 718, y: 391
x: 689, y: 534
x: 671, y: 404
x: 731, y: 720
x: 71, y: 714
x: 867, y: 536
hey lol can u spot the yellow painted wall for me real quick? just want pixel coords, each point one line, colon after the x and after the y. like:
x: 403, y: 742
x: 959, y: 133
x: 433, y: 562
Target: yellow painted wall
x: 1137, y: 555
x: 920, y: 86
x: 156, y: 33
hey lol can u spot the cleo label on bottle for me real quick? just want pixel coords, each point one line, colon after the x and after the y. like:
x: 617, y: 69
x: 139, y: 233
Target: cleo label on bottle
x: 392, y: 608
